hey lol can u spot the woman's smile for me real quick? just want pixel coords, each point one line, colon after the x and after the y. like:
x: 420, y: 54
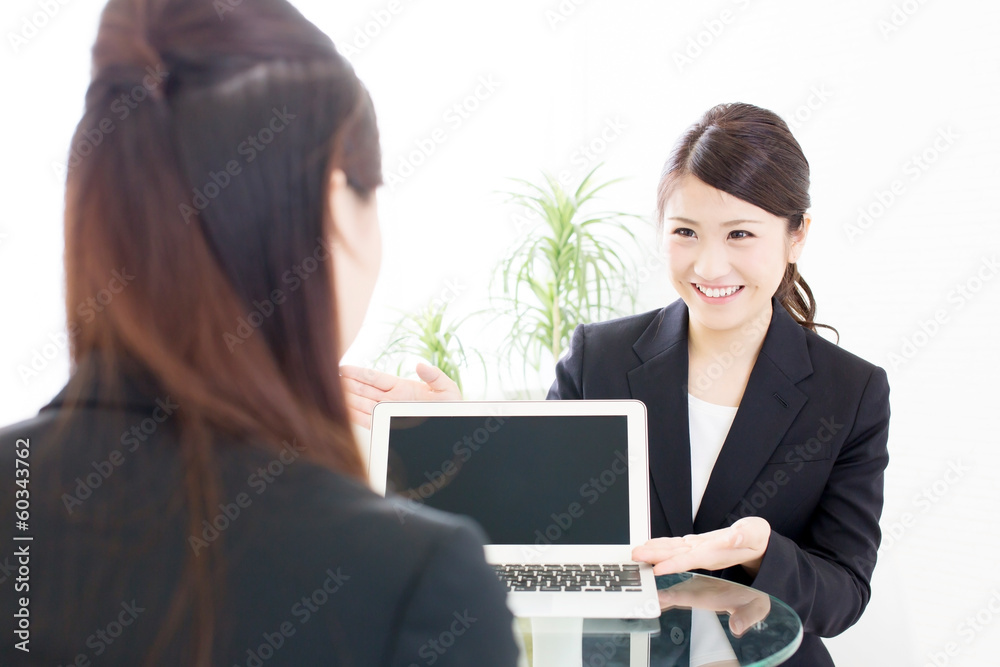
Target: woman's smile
x: 717, y: 295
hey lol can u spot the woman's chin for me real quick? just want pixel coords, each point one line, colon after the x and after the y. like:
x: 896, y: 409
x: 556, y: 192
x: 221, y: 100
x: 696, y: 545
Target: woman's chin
x: 734, y: 315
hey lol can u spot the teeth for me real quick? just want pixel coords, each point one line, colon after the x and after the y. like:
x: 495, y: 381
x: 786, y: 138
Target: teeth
x: 716, y: 292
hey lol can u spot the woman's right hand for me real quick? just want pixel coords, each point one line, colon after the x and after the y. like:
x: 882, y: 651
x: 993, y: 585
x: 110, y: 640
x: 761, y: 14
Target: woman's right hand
x: 365, y: 387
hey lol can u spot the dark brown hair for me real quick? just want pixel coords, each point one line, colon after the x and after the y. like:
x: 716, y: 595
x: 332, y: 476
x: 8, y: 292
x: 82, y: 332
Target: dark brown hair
x: 210, y: 223
x: 749, y: 153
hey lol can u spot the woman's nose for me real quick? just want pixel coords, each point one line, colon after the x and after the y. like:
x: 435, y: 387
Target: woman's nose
x: 712, y: 262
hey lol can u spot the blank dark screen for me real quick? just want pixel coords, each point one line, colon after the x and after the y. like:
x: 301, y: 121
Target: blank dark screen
x: 526, y: 480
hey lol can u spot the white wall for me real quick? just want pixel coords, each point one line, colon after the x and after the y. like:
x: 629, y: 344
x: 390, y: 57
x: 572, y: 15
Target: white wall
x: 879, y: 97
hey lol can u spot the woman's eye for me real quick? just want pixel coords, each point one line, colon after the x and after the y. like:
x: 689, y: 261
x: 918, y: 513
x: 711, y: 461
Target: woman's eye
x: 684, y: 231
x: 739, y: 234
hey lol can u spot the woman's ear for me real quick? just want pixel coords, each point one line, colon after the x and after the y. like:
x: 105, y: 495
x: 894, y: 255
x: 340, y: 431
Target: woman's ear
x: 799, y: 239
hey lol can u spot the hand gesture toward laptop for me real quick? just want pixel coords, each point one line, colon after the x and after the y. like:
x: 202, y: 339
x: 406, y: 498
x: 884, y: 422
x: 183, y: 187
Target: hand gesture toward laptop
x: 365, y: 387
x: 743, y: 543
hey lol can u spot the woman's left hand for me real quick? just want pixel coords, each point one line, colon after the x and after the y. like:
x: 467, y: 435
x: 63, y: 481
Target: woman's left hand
x: 743, y: 543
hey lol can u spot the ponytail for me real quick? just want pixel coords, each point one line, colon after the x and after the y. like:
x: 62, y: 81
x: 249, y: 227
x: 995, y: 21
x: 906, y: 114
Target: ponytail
x: 794, y: 292
x: 796, y: 297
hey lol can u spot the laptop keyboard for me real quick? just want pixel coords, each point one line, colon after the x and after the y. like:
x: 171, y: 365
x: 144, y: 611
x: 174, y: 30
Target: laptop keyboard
x: 551, y: 578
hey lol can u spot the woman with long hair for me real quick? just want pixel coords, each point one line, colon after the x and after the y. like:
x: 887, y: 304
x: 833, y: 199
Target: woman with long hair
x: 767, y: 442
x: 196, y: 494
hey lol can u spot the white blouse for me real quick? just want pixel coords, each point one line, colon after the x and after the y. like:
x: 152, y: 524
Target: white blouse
x: 708, y: 426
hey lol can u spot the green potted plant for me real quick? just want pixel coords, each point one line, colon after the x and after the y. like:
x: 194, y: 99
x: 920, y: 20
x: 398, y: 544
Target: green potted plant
x: 571, y: 267
x: 427, y: 335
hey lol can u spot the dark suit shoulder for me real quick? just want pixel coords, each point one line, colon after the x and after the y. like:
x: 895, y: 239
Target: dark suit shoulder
x: 838, y: 367
x: 22, y: 429
x: 821, y: 348
x: 419, y: 571
x: 413, y: 528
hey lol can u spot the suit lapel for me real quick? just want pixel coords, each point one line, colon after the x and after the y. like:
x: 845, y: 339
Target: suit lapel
x: 770, y: 404
x: 661, y: 383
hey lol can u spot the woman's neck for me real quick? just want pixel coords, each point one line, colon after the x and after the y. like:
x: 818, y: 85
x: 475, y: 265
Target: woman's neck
x: 749, y: 336
x: 720, y: 361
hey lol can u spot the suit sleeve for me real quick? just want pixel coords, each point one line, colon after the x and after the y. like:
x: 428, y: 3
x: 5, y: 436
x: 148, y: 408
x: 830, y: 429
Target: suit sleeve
x: 457, y: 614
x: 825, y: 576
x: 568, y: 384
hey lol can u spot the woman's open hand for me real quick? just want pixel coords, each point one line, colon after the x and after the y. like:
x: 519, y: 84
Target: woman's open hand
x: 743, y: 543
x: 365, y: 387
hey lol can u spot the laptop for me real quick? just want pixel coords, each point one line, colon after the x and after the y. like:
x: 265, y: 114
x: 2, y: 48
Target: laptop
x: 560, y: 487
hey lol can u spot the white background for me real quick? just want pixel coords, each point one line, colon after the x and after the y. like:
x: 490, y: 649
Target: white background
x: 880, y: 94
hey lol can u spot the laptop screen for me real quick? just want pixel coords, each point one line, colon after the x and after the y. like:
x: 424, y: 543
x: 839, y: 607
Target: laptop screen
x: 552, y: 479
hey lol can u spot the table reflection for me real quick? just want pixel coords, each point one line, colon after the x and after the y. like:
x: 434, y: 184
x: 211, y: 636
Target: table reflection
x: 704, y: 622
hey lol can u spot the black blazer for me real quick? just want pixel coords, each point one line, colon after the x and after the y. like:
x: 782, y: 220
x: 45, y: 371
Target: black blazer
x: 319, y: 570
x: 806, y: 451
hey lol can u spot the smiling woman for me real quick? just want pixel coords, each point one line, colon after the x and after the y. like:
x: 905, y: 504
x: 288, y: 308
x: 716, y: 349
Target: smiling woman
x: 735, y: 377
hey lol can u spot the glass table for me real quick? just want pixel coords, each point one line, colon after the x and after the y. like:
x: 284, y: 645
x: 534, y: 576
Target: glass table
x: 704, y: 622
